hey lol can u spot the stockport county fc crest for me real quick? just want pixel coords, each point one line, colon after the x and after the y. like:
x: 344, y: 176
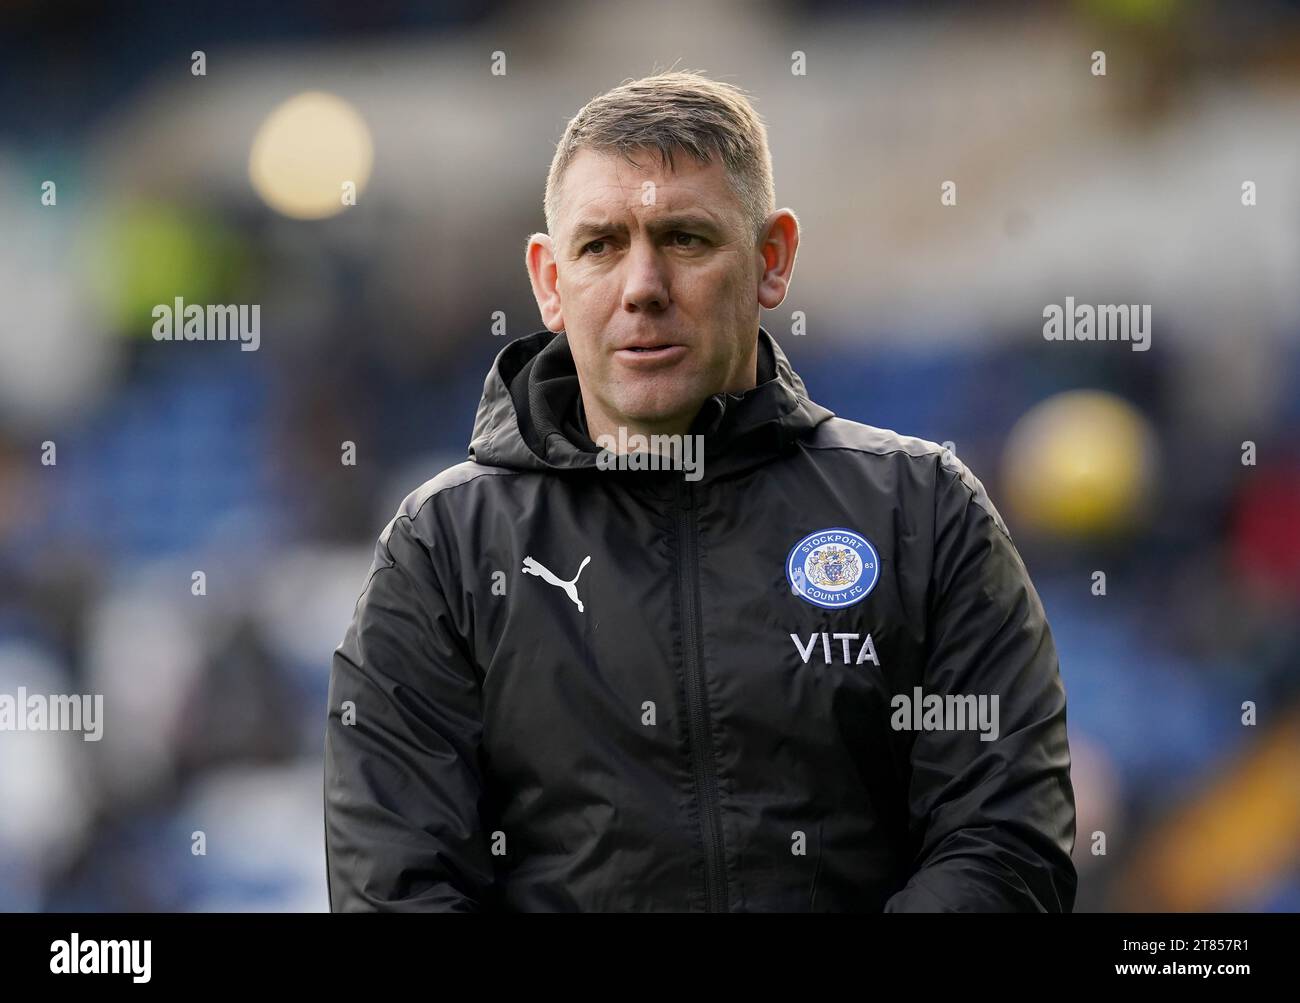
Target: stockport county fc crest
x: 832, y: 568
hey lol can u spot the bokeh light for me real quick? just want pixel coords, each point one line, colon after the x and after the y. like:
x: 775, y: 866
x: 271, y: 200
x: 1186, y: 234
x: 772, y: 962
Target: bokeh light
x: 141, y: 254
x: 306, y: 151
x: 1079, y: 463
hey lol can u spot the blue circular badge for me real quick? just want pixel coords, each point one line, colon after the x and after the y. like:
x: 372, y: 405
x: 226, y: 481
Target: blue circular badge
x: 832, y: 568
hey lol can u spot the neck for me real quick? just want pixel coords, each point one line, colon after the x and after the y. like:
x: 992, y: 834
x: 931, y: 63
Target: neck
x: 600, y: 422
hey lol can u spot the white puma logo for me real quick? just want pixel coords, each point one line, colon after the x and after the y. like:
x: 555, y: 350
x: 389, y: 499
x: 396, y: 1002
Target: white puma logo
x: 532, y: 567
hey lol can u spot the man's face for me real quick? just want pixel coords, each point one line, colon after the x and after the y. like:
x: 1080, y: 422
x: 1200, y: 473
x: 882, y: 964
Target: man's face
x: 662, y: 259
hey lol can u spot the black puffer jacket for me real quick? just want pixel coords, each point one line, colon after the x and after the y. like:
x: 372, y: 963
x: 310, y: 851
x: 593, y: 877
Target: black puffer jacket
x: 816, y: 678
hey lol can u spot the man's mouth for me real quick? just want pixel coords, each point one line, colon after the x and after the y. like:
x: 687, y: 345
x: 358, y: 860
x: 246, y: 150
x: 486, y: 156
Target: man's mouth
x: 643, y: 355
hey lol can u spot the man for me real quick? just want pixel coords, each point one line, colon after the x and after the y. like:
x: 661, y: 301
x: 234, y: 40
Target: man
x: 806, y: 670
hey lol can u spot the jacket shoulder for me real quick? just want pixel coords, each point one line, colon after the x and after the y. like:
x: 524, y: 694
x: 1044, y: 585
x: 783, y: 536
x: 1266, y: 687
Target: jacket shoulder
x: 935, y: 461
x: 452, y: 477
x: 841, y: 433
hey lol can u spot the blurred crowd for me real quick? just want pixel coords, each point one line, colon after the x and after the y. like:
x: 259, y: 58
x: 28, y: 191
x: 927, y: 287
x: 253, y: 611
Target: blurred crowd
x: 1176, y: 474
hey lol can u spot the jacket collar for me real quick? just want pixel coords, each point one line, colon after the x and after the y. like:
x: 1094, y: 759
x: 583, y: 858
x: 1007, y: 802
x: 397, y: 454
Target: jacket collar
x: 533, y: 385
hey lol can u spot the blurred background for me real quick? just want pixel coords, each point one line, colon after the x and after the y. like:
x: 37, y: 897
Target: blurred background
x: 1174, y: 471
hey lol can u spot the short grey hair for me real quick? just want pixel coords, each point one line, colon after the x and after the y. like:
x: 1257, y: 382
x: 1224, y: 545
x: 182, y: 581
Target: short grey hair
x: 668, y: 113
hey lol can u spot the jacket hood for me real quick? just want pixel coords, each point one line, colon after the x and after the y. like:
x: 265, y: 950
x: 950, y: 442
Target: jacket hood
x: 532, y: 388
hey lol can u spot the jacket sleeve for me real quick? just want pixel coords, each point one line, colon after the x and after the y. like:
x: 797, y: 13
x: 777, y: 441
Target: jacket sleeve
x: 403, y: 784
x: 995, y: 819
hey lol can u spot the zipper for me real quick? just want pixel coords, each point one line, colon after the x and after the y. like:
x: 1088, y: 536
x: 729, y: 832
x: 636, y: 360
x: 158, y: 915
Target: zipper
x: 706, y: 781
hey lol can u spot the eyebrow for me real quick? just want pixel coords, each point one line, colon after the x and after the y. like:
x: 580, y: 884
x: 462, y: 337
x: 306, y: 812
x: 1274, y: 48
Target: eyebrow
x: 589, y: 229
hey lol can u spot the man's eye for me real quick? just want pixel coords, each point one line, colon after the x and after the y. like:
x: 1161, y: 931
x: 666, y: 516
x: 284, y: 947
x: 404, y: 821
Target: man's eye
x: 594, y: 247
x: 677, y: 238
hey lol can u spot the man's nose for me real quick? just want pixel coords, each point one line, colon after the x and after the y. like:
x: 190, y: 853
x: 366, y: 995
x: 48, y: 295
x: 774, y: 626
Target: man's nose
x: 646, y: 283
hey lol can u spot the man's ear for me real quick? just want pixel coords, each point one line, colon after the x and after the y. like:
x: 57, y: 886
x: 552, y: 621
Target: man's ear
x: 776, y: 251
x: 539, y: 257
